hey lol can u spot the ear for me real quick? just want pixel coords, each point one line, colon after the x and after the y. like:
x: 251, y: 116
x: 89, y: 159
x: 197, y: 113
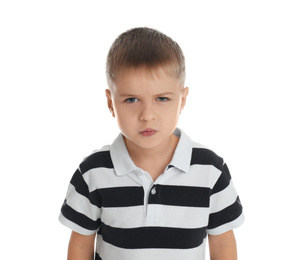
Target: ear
x: 109, y: 102
x: 185, y: 92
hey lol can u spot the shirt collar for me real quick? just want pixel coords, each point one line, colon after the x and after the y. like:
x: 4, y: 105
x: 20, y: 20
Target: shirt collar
x: 120, y: 157
x: 183, y: 152
x: 124, y: 165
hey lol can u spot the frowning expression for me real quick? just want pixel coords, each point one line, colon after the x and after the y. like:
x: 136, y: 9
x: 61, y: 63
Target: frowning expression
x: 147, y: 106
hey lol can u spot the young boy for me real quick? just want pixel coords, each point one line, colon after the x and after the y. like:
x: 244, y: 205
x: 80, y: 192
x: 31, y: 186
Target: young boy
x: 153, y: 193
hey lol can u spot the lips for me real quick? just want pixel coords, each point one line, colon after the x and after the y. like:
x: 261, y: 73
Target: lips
x: 148, y: 132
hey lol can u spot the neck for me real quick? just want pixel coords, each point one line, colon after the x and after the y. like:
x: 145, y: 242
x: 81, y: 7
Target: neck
x: 161, y: 153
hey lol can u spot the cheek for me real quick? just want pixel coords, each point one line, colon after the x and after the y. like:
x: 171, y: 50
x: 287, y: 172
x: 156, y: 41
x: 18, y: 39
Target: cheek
x: 174, y: 110
x: 170, y: 116
x: 123, y: 124
x: 124, y: 117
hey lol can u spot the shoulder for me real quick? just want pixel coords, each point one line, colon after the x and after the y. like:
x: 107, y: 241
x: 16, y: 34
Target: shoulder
x: 98, y: 159
x: 205, y: 156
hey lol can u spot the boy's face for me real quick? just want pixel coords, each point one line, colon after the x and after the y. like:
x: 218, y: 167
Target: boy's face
x: 147, y: 107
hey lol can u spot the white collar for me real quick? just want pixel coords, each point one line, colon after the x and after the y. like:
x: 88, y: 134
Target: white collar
x: 124, y: 165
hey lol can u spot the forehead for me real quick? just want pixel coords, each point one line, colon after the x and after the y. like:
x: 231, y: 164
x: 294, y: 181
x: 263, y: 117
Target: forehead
x: 143, y: 80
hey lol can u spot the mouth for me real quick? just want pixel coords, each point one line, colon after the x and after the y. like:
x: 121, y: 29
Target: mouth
x: 148, y: 132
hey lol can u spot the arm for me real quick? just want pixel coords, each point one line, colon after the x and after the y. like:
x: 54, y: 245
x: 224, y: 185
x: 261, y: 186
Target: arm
x: 223, y: 247
x: 81, y: 247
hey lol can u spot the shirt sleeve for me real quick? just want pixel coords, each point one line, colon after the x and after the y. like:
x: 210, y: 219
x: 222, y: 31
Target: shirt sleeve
x: 226, y: 211
x: 81, y: 209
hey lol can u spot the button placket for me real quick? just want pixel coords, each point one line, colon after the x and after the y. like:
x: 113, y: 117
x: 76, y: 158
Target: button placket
x: 153, y: 213
x: 153, y: 197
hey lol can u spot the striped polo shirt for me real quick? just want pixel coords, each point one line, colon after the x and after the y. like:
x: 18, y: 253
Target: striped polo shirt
x: 136, y: 218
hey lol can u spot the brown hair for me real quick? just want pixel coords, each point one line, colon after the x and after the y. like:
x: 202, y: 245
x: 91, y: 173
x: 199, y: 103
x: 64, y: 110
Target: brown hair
x: 144, y: 47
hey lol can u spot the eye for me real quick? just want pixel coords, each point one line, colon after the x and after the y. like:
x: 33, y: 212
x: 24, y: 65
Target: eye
x: 162, y: 99
x: 131, y: 100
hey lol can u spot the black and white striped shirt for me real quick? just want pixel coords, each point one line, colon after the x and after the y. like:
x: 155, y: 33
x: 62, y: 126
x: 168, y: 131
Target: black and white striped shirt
x: 136, y: 218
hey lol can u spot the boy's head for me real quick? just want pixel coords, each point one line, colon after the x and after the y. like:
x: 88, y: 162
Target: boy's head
x: 144, y: 48
x: 145, y: 73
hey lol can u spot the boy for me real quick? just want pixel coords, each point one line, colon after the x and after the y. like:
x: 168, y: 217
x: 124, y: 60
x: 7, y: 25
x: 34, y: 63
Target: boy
x: 153, y: 193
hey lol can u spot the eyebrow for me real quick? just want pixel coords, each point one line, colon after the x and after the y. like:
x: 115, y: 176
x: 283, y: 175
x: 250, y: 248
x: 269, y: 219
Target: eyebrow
x: 158, y: 95
x: 165, y: 94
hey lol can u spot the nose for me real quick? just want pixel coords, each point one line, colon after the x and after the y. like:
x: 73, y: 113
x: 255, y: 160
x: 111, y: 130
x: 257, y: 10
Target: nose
x: 147, y: 113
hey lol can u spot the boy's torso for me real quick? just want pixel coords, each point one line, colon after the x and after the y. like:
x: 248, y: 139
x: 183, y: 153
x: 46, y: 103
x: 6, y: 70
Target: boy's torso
x: 138, y: 214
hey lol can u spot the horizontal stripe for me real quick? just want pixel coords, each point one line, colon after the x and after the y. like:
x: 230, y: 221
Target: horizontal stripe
x: 198, y: 176
x: 79, y: 183
x: 110, y: 252
x: 223, y: 199
x: 223, y: 180
x: 153, y: 237
x: 82, y: 204
x: 100, y: 159
x: 122, y: 196
x: 73, y: 226
x: 167, y: 216
x: 79, y: 218
x: 102, y: 178
x: 97, y: 257
x: 179, y: 217
x: 206, y: 156
x: 180, y: 196
x: 82, y: 188
x: 226, y: 215
x: 124, y: 217
x: 227, y: 226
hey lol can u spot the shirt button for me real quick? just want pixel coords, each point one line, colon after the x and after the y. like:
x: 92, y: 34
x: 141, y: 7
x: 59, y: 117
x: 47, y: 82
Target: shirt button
x: 153, y: 191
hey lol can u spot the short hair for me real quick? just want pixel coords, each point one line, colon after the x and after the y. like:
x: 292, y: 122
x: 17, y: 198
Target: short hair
x: 144, y: 47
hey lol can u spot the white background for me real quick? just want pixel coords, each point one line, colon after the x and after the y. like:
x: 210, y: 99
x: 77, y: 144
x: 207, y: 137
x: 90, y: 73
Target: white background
x: 243, y: 66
